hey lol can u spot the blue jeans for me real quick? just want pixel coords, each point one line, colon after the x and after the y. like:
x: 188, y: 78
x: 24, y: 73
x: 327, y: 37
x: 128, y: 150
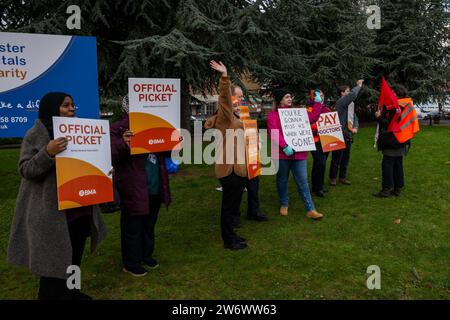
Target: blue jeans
x: 299, y: 170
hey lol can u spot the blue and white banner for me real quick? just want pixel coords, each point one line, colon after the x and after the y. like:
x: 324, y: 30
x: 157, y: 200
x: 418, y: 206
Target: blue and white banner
x: 32, y: 65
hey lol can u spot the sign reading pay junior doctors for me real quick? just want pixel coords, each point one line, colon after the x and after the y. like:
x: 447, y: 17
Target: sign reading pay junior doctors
x: 154, y: 114
x: 330, y: 132
x: 83, y: 169
x: 296, y: 129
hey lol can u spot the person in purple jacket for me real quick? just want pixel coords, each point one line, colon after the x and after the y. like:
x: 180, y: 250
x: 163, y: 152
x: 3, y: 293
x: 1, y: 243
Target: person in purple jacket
x: 289, y: 160
x: 142, y: 182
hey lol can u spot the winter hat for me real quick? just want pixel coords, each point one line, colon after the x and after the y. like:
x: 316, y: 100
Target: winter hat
x: 279, y: 94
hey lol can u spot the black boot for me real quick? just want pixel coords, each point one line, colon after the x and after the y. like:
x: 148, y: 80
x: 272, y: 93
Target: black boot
x: 320, y: 193
x: 385, y: 193
x: 78, y: 295
x: 396, y: 192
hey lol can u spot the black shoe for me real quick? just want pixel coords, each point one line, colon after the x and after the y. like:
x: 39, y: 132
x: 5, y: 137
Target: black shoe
x: 382, y: 194
x: 77, y: 295
x: 257, y: 217
x: 151, y: 263
x: 235, y: 245
x: 396, y: 192
x: 320, y: 193
x: 138, y: 271
x: 240, y: 239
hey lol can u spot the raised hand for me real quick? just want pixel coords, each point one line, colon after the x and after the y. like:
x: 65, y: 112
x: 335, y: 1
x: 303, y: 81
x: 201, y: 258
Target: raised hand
x: 218, y: 66
x: 377, y: 114
x: 360, y: 82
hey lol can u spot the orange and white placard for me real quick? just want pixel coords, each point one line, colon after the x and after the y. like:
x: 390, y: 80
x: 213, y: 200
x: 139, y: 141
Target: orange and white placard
x: 252, y: 148
x: 154, y: 114
x: 83, y: 169
x: 330, y: 132
x: 244, y: 112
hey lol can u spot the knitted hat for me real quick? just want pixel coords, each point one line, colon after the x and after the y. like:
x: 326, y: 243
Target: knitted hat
x: 279, y: 94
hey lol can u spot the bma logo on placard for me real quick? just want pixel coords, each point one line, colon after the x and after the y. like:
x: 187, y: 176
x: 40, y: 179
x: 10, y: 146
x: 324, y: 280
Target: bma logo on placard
x: 155, y: 141
x: 84, y: 193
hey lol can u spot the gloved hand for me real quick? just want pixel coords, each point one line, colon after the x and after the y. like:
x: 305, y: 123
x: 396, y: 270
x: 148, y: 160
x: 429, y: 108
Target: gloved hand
x: 288, y: 151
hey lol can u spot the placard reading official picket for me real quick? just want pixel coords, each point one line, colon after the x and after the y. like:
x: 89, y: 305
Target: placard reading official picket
x: 154, y: 114
x: 83, y: 169
x: 330, y: 132
x: 32, y: 65
x: 296, y: 129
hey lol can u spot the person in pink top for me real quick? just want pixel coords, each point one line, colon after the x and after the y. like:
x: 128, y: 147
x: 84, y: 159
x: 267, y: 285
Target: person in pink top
x: 316, y: 107
x: 289, y: 160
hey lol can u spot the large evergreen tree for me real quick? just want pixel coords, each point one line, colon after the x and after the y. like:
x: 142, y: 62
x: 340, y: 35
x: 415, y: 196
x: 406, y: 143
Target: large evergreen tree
x: 413, y: 46
x: 325, y: 43
x: 296, y: 43
x: 153, y: 38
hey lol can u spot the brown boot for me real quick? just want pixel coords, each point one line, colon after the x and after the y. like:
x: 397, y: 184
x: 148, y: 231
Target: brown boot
x: 314, y: 215
x: 333, y: 182
x: 345, y: 181
x: 284, y: 211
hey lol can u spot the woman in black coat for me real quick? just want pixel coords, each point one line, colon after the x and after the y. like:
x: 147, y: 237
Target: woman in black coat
x: 393, y: 151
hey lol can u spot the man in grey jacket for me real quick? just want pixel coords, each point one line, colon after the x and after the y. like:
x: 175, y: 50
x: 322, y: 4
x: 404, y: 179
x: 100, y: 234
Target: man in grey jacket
x: 341, y: 158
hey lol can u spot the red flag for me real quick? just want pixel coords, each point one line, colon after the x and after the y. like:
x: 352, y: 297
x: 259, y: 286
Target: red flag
x: 387, y: 96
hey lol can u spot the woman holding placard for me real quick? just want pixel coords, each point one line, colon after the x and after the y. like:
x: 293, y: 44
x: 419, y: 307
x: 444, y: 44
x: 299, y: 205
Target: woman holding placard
x: 289, y: 160
x: 142, y: 182
x: 46, y: 240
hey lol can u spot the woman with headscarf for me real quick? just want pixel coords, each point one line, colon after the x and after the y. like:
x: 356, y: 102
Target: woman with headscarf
x: 289, y: 160
x: 142, y: 182
x: 44, y: 239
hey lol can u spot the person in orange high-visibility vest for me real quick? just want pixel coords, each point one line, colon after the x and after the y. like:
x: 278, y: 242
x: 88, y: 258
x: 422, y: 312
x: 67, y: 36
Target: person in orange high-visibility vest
x: 397, y: 127
x: 405, y: 123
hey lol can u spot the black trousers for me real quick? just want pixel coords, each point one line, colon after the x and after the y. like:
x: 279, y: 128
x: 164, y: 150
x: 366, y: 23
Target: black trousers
x: 232, y: 189
x: 392, y: 172
x: 253, y: 197
x: 55, y: 288
x: 318, y: 168
x: 340, y: 160
x: 138, y: 234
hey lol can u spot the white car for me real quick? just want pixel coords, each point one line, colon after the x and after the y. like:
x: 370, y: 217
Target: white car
x: 427, y: 110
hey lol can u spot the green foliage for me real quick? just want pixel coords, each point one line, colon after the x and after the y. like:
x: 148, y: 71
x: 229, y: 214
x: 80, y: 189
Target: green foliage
x: 413, y: 46
x: 301, y: 44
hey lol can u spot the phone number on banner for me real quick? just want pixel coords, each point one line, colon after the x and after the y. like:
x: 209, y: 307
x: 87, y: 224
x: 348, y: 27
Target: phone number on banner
x: 13, y: 119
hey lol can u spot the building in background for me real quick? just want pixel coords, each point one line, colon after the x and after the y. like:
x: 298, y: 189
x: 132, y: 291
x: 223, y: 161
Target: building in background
x: 260, y: 104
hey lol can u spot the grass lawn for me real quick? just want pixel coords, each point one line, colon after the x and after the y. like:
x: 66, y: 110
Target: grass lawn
x: 288, y: 257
